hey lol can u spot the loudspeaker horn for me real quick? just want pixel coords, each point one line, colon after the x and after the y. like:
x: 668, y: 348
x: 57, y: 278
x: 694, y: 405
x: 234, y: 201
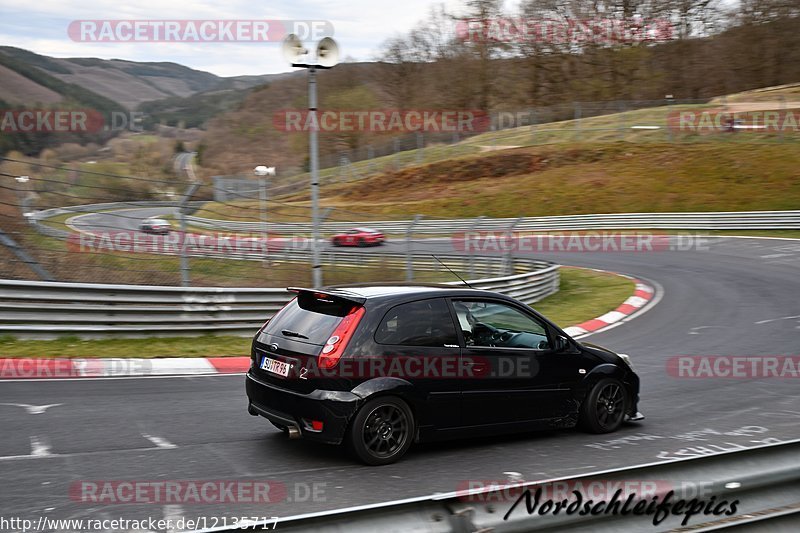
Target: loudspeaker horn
x: 293, y: 48
x: 327, y: 52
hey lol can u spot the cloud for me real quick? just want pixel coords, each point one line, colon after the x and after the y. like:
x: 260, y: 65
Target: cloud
x: 360, y: 26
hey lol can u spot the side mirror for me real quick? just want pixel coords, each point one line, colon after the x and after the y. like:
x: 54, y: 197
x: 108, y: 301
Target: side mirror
x: 561, y: 343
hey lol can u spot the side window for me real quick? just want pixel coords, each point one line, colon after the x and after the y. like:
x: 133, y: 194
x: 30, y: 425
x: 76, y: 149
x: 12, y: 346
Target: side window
x: 496, y: 324
x: 423, y: 323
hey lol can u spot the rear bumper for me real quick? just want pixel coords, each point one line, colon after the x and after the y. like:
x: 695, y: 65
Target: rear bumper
x: 293, y: 409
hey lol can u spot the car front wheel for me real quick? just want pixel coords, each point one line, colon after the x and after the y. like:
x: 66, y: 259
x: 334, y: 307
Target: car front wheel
x: 382, y: 431
x: 604, y: 408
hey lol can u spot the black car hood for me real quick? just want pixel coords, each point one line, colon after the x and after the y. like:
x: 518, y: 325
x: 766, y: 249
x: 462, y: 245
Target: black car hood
x: 603, y: 353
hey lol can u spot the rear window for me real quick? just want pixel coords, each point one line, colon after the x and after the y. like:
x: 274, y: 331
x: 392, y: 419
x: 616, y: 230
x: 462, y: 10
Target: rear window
x: 309, y: 319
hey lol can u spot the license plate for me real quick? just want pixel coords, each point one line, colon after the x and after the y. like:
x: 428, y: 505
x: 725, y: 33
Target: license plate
x: 275, y: 366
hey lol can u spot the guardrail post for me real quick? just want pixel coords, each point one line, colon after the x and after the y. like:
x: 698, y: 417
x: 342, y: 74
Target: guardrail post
x: 472, y: 229
x: 185, y: 281
x: 508, y: 258
x: 22, y: 255
x: 262, y: 198
x: 669, y: 115
x: 409, y: 253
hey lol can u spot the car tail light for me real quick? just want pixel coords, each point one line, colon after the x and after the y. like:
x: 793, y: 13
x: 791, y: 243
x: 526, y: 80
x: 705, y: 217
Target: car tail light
x: 312, y: 425
x: 336, y: 343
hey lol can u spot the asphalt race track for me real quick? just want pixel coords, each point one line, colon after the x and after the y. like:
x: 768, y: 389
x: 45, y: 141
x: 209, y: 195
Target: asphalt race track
x: 736, y: 297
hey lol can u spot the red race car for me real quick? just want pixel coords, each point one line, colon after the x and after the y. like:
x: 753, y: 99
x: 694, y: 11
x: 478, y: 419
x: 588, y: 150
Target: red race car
x: 358, y: 237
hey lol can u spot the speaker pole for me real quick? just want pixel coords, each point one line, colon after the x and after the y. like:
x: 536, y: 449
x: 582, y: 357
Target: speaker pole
x: 316, y: 268
x: 327, y: 55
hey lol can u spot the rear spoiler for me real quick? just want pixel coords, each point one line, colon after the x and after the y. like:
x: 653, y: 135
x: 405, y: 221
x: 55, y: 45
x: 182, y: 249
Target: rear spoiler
x: 331, y: 295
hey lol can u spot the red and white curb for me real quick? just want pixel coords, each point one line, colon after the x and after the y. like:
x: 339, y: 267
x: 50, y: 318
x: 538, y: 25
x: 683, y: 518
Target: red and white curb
x: 68, y: 368
x: 643, y: 295
x: 42, y: 368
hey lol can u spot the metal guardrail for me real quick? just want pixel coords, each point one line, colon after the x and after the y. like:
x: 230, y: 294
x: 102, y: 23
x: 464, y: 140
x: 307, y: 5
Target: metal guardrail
x: 765, y: 480
x: 50, y: 310
x: 723, y: 220
x: 288, y: 250
x: 736, y: 220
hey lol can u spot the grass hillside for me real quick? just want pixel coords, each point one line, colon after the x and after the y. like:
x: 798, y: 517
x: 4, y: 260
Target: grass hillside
x: 24, y: 65
x: 128, y: 83
x: 651, y: 125
x: 629, y: 161
x: 16, y: 89
x: 567, y: 179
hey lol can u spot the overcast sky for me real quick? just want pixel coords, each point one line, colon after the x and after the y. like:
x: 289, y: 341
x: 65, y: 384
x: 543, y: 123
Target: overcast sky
x: 360, y: 26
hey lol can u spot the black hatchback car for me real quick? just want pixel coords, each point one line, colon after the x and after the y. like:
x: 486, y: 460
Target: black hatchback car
x: 380, y: 367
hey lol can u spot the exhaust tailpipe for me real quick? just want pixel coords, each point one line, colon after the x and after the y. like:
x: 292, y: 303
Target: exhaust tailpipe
x: 294, y: 432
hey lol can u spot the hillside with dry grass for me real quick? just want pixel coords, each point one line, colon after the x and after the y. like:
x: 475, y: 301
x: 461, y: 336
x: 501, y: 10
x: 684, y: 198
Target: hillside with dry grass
x: 567, y: 179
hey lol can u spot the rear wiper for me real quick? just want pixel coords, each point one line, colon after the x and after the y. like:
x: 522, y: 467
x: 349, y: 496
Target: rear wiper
x: 287, y: 333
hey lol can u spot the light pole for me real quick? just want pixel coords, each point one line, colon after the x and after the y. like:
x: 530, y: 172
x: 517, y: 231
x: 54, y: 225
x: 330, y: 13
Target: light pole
x: 327, y: 56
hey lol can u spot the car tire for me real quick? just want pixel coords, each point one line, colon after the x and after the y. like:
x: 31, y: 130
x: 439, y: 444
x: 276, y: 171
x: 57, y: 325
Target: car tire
x: 362, y: 243
x: 603, y: 410
x: 382, y: 431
